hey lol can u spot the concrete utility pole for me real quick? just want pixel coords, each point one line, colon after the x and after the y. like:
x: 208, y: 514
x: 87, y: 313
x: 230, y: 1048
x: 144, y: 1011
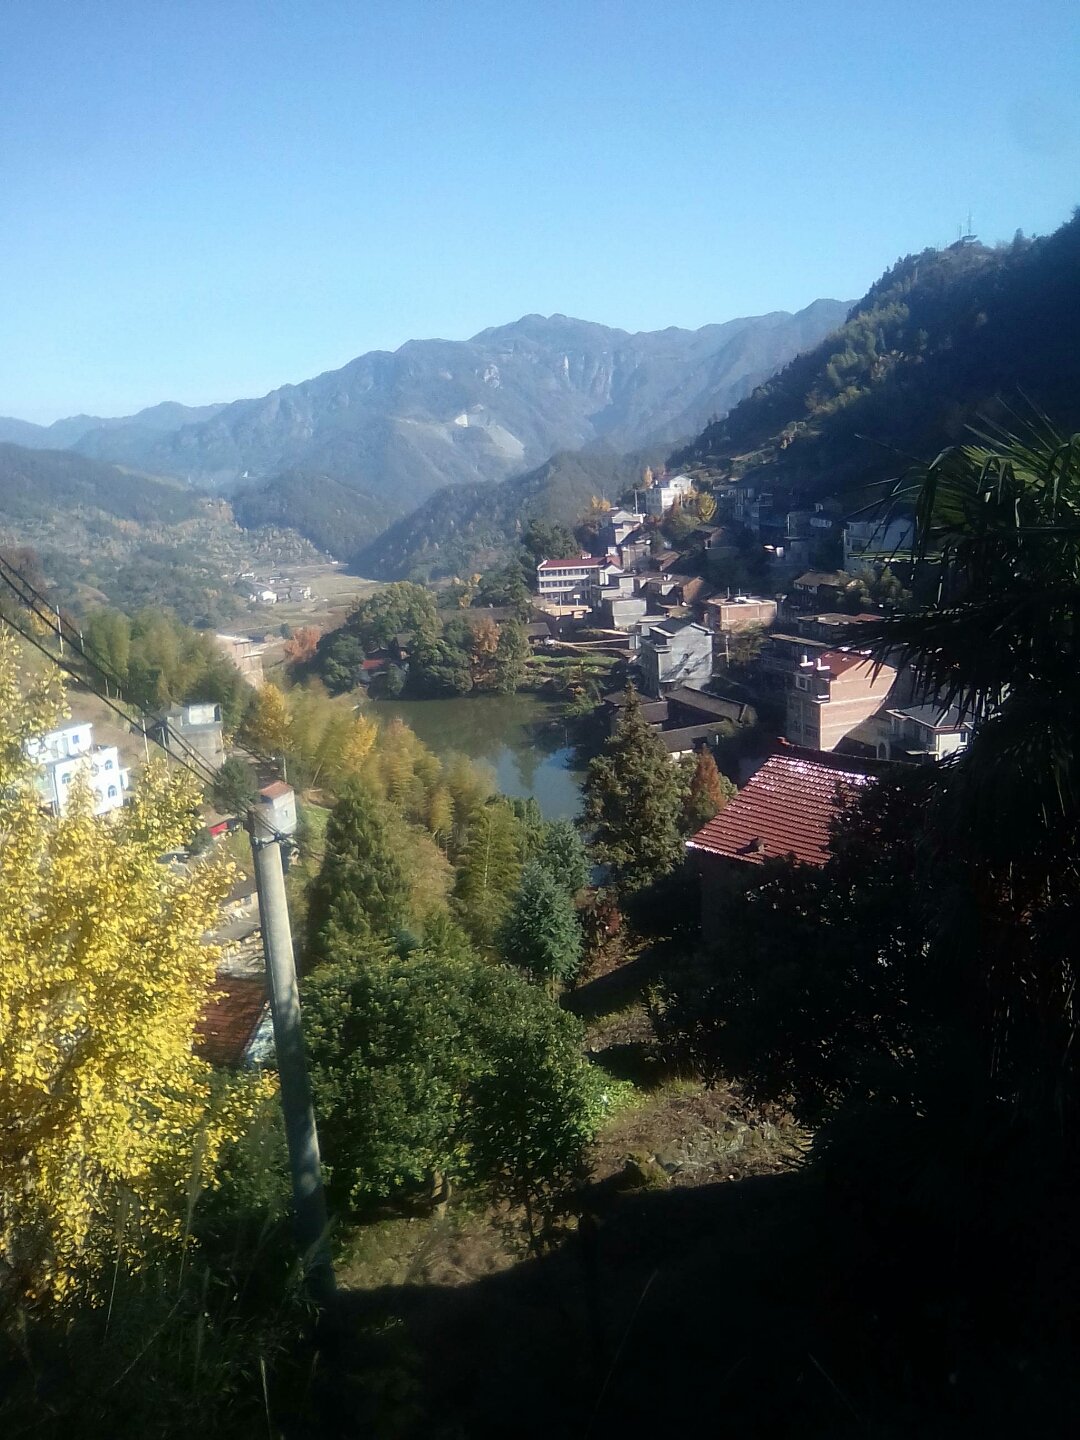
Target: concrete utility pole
x: 309, y: 1199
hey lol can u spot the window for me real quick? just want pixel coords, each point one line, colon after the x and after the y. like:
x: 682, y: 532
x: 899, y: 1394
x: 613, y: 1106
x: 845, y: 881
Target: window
x: 112, y: 792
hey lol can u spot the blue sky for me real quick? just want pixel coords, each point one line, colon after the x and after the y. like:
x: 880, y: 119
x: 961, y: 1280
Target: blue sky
x: 206, y: 200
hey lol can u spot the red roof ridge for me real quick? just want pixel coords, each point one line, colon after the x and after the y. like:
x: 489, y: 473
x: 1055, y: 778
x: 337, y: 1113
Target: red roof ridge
x: 580, y: 561
x: 785, y: 809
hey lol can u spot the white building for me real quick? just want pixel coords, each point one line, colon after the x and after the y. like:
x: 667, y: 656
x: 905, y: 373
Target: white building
x: 569, y: 581
x: 63, y: 757
x: 877, y: 542
x: 663, y: 495
x: 925, y: 732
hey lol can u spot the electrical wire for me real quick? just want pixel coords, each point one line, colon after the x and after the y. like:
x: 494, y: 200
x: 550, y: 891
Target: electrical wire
x: 50, y: 617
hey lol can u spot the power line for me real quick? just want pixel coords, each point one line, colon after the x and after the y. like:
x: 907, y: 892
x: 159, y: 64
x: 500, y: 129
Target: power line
x: 202, y: 770
x: 74, y: 674
x: 208, y: 774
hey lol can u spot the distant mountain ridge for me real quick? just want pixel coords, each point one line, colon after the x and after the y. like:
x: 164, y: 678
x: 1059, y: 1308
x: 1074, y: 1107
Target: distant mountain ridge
x: 82, y: 431
x: 393, y: 428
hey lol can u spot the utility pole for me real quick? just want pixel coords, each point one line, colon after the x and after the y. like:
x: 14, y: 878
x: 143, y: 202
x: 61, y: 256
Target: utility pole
x: 272, y: 817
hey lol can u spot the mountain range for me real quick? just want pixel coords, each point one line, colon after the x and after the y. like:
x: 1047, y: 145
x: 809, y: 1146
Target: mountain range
x: 360, y: 446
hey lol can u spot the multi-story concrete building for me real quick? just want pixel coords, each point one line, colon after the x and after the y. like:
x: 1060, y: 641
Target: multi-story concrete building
x: 246, y: 654
x: 741, y: 612
x: 66, y: 758
x: 663, y: 495
x: 193, y: 727
x: 568, y: 581
x: 616, y: 526
x: 923, y: 733
x: 877, y: 542
x: 834, y: 700
x: 675, y: 652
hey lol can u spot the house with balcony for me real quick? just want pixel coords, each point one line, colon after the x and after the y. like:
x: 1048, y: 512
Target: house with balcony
x: 923, y: 733
x: 819, y: 589
x: 834, y: 701
x: 870, y: 543
x: 68, y: 758
x: 668, y: 491
x: 568, y: 581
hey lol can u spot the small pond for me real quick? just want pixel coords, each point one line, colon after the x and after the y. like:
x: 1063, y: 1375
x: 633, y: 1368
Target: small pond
x: 522, y: 737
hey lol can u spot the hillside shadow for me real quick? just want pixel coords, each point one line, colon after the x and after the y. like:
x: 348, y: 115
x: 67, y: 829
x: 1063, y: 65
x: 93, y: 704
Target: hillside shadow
x: 615, y: 989
x: 770, y: 1307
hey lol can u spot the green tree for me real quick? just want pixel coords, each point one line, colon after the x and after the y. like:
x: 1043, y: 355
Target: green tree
x: 561, y: 851
x: 511, y: 657
x: 340, y: 661
x: 490, y: 871
x: 541, y: 930
x: 545, y: 541
x: 633, y: 802
x: 392, y: 609
x: 428, y: 1068
x: 360, y: 891
x: 504, y: 587
x: 708, y: 792
x: 441, y: 665
x: 234, y: 787
x: 391, y: 1058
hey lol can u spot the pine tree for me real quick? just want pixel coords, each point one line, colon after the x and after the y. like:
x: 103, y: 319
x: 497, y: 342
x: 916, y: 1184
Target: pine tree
x: 360, y: 890
x: 490, y: 872
x: 632, y: 802
x: 541, y: 930
x: 708, y: 793
x: 561, y: 851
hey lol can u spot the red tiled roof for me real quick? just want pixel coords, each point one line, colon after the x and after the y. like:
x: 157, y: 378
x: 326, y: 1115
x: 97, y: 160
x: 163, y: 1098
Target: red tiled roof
x: 784, y: 809
x: 576, y: 562
x: 227, y: 1025
x: 275, y: 789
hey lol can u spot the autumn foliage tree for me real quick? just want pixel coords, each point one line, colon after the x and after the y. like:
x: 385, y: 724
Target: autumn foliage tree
x: 109, y: 1122
x: 302, y: 644
x: 707, y: 794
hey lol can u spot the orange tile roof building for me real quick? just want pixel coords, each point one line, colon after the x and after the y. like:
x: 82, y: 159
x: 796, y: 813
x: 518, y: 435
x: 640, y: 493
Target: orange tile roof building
x: 228, y: 1030
x: 783, y: 811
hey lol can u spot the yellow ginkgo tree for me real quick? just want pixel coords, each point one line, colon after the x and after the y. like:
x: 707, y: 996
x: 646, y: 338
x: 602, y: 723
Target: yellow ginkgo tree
x: 108, y: 1122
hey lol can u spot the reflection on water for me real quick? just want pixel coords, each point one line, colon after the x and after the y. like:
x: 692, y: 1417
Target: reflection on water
x: 522, y: 737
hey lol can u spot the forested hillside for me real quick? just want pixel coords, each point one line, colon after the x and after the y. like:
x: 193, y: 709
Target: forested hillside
x: 330, y: 513
x: 48, y: 484
x: 945, y: 338
x: 465, y: 528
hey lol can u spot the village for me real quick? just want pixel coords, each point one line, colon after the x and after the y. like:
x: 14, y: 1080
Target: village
x: 776, y: 686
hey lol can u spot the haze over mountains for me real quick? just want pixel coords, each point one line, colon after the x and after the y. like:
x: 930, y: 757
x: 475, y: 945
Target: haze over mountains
x: 365, y: 444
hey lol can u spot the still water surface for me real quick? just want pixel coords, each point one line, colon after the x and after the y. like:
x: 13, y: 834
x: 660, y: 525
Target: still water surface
x: 522, y: 738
